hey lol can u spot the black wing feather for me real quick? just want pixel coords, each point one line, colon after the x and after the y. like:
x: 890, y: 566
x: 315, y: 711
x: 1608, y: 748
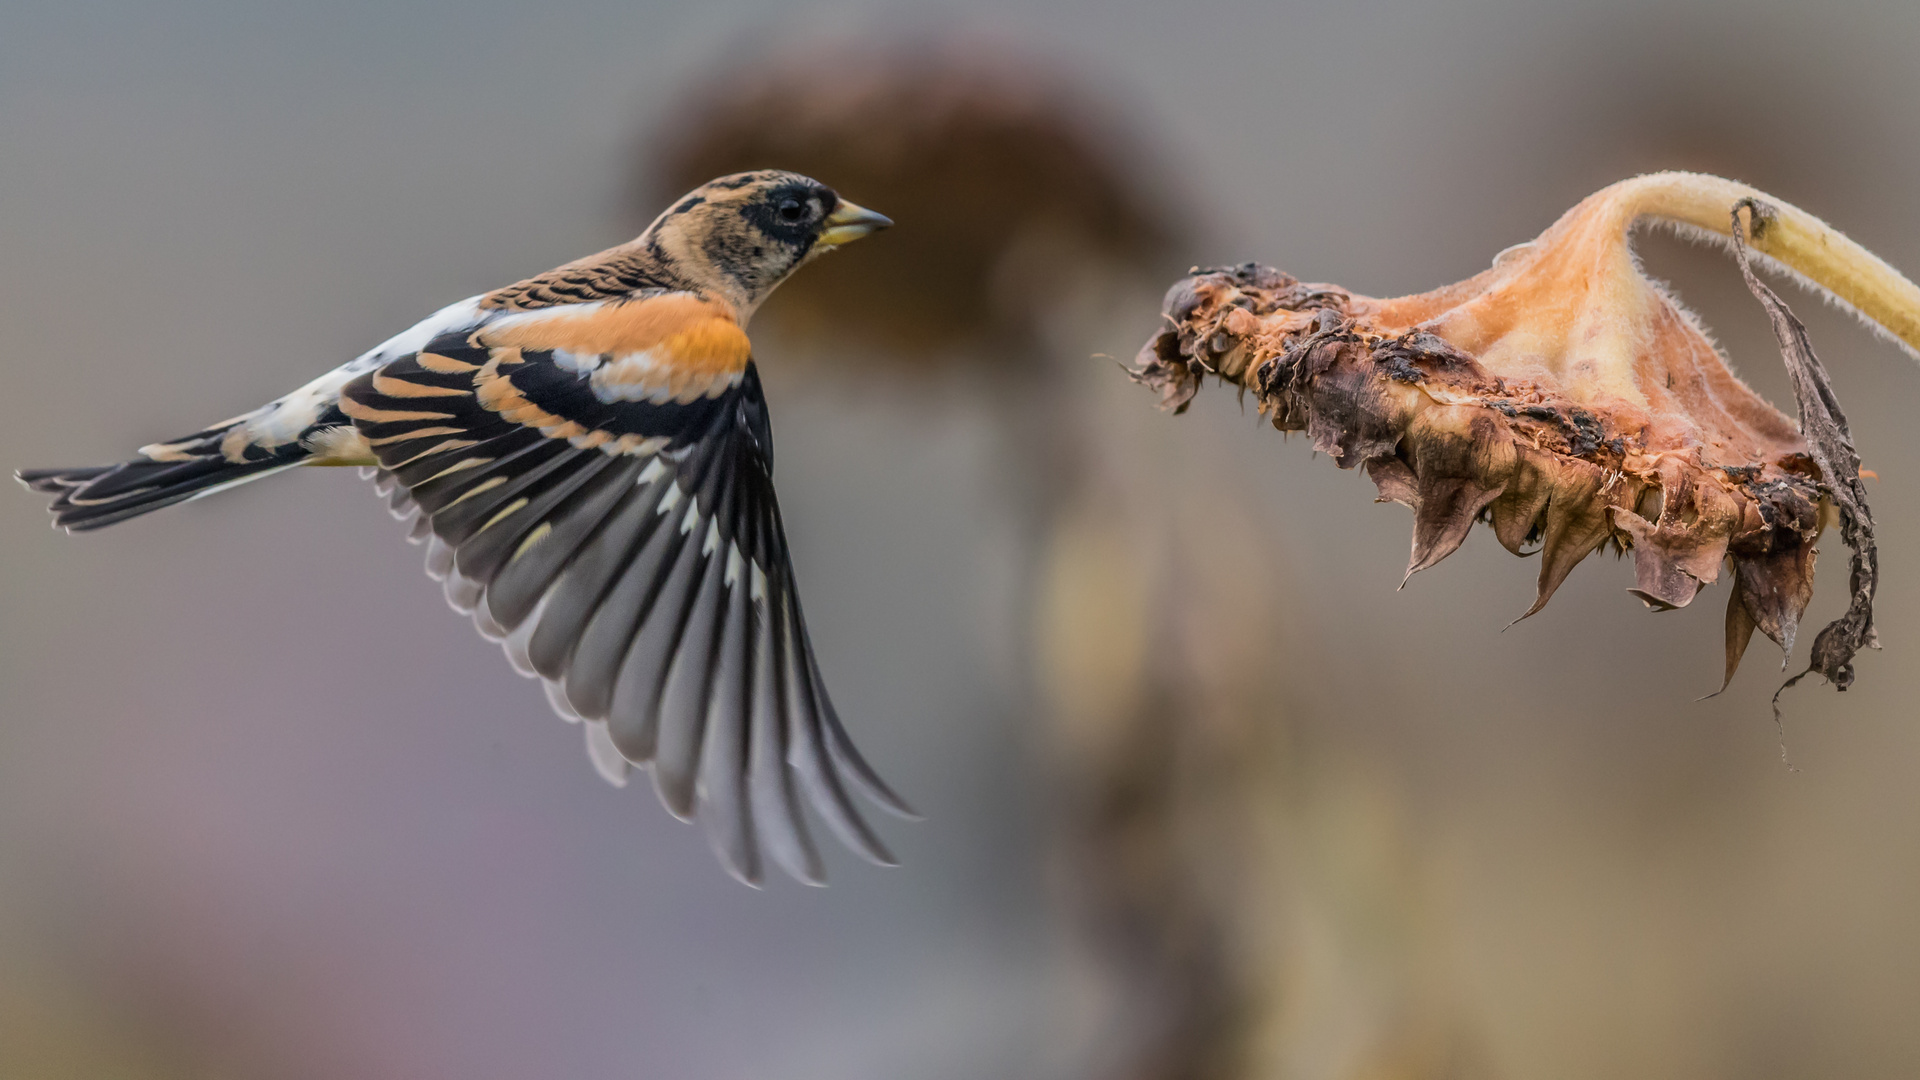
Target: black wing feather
x: 775, y: 799
x: 649, y: 586
x: 724, y: 753
x: 687, y: 688
x: 591, y: 542
x: 638, y: 692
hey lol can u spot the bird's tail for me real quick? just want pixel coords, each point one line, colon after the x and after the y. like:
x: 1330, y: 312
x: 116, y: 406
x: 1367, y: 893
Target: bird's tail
x: 163, y: 474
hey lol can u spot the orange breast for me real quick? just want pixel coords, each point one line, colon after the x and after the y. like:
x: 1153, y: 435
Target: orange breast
x: 683, y: 334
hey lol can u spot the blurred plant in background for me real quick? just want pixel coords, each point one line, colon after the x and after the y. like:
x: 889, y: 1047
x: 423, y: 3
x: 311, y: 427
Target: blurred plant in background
x: 1011, y: 180
x: 1030, y: 225
x: 1299, y: 825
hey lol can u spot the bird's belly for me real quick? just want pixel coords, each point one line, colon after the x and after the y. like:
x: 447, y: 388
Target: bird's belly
x: 343, y: 445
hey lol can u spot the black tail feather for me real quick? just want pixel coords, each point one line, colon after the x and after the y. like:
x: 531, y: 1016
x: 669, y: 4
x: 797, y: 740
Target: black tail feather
x: 102, y: 495
x: 56, y: 481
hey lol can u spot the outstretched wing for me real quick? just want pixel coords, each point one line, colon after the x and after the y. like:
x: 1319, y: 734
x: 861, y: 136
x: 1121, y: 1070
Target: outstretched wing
x: 599, y: 493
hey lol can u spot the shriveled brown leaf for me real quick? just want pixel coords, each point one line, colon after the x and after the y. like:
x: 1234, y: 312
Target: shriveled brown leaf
x: 1830, y: 443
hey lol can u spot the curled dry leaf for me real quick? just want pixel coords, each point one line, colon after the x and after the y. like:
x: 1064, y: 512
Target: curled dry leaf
x: 1566, y: 400
x: 1831, y: 446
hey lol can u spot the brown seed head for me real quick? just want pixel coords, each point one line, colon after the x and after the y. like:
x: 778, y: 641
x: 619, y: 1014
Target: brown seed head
x: 1560, y: 396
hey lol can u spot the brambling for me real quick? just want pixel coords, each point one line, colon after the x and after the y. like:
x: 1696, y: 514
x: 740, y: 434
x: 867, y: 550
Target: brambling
x: 587, y: 455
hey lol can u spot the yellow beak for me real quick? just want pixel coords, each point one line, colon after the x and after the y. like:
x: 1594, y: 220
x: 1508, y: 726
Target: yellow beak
x: 850, y: 222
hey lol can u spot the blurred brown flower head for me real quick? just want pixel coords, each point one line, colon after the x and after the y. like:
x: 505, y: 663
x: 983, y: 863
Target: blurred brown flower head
x: 1002, y: 180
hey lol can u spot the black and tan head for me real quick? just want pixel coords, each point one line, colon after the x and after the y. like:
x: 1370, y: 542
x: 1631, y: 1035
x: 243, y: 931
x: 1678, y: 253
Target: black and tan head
x: 741, y: 235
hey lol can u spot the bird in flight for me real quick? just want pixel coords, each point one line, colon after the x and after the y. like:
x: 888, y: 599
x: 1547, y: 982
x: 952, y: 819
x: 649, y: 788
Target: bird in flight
x: 587, y: 456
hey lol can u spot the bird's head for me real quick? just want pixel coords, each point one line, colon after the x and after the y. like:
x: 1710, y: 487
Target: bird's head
x: 741, y: 235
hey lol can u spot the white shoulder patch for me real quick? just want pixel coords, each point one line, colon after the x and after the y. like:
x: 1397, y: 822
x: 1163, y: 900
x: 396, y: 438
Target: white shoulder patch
x: 464, y: 315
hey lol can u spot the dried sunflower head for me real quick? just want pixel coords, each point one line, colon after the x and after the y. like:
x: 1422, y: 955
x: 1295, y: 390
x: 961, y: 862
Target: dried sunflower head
x: 1564, y: 398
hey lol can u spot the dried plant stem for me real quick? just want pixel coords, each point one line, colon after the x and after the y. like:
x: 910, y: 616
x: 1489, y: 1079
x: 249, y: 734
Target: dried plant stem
x: 1796, y: 240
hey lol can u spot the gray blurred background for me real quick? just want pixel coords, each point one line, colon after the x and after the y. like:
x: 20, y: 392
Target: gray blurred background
x: 268, y: 809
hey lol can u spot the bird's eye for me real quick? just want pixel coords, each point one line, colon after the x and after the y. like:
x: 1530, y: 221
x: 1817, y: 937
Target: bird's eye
x: 792, y: 210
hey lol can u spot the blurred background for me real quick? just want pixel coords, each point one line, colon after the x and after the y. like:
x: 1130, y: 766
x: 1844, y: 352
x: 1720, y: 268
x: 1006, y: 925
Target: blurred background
x: 1206, y: 796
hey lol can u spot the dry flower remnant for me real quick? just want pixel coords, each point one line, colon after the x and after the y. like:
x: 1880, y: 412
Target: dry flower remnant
x: 1565, y: 399
x: 998, y: 173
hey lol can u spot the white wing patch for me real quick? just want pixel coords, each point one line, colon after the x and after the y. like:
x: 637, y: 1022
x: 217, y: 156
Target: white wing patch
x: 642, y: 375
